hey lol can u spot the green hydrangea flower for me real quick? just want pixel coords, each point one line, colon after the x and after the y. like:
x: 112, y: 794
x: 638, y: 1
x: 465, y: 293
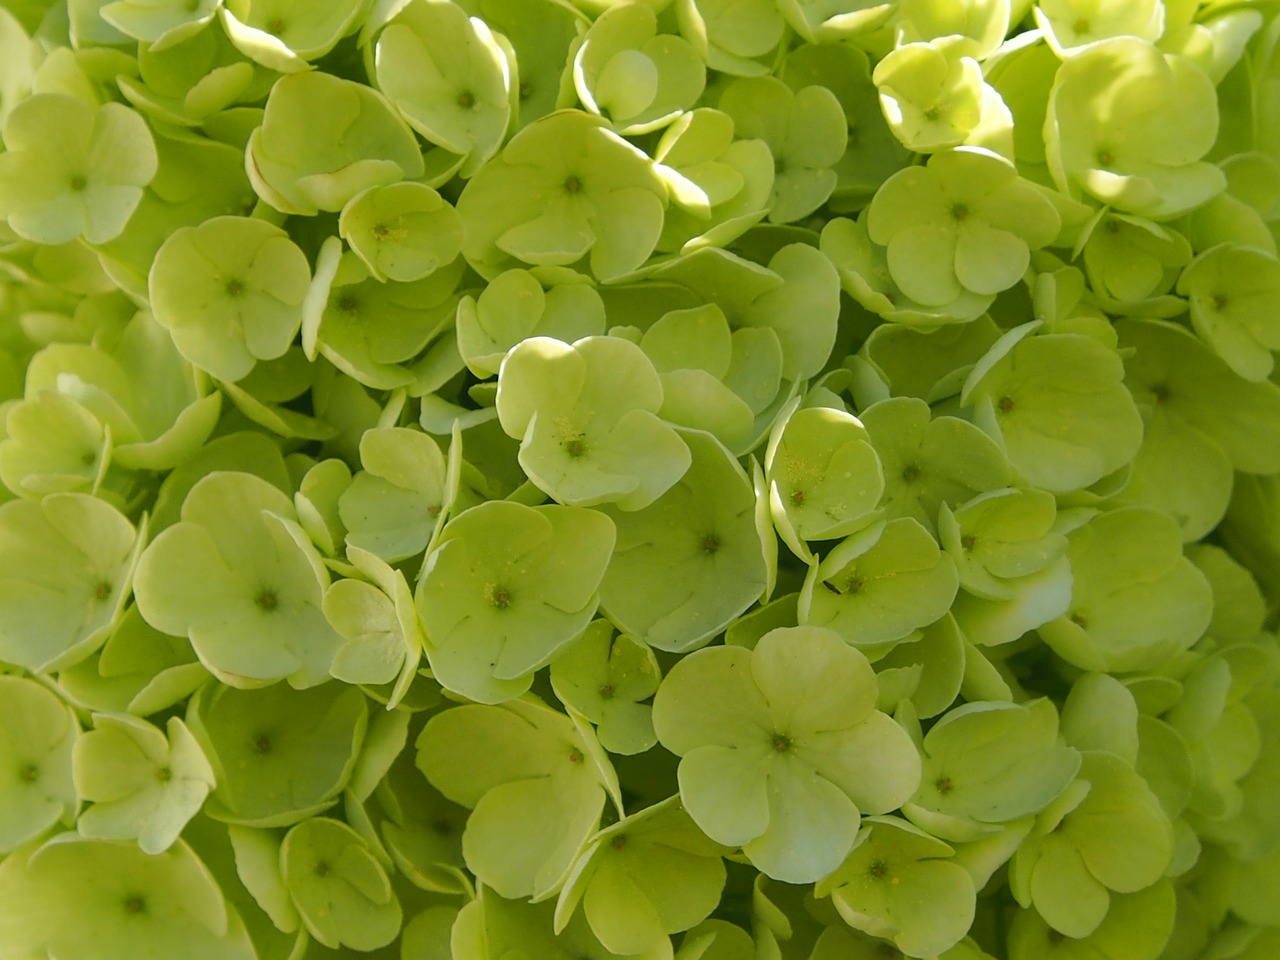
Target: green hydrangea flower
x: 1136, y: 599
x: 1105, y: 833
x: 1127, y: 125
x: 776, y: 762
x: 71, y: 170
x: 872, y: 153
x: 279, y: 755
x: 157, y: 409
x: 988, y: 763
x: 964, y: 221
x: 1137, y: 925
x: 1069, y: 25
x: 636, y: 77
x: 144, y: 785
x: 563, y: 189
x: 1133, y: 263
x: 604, y: 678
x: 720, y: 186
x: 139, y: 670
x: 67, y: 564
x: 403, y: 231
x: 824, y: 21
x: 714, y: 378
x: 193, y: 72
x: 928, y: 461
x: 865, y: 276
x: 491, y: 926
x: 824, y: 476
x: 902, y: 884
x: 396, y: 503
x: 323, y: 140
x: 999, y: 537
x: 931, y: 94
x: 52, y: 444
x: 198, y: 179
x: 284, y: 37
x: 692, y: 560
x: 1238, y: 414
x: 880, y: 586
x: 514, y: 307
x: 538, y: 35
x: 230, y: 293
x: 372, y: 330
x: 1057, y: 404
x: 805, y: 131
x: 78, y: 898
x: 449, y: 77
x: 159, y: 23
x: 586, y: 418
x: 536, y: 785
x: 378, y: 621
x: 240, y: 578
x: 39, y: 732
x: 1235, y: 295
x: 732, y: 36
x: 976, y: 28
x: 796, y: 295
x: 342, y: 893
x: 925, y: 364
x: 1013, y: 564
x: 421, y: 830
x: 648, y: 875
x: 1192, y: 401
x: 504, y: 587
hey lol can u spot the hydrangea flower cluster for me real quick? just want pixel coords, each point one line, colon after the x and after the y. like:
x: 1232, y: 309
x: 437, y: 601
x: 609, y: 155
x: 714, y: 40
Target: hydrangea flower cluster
x: 640, y: 479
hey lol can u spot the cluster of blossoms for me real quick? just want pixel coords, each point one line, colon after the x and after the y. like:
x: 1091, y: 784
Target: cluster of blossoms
x: 642, y: 479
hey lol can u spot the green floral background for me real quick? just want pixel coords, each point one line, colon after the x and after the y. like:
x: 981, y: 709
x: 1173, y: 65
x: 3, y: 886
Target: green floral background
x: 661, y: 479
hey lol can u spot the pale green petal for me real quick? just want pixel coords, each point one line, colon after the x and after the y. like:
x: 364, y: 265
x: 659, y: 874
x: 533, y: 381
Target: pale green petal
x: 725, y: 790
x: 812, y: 825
